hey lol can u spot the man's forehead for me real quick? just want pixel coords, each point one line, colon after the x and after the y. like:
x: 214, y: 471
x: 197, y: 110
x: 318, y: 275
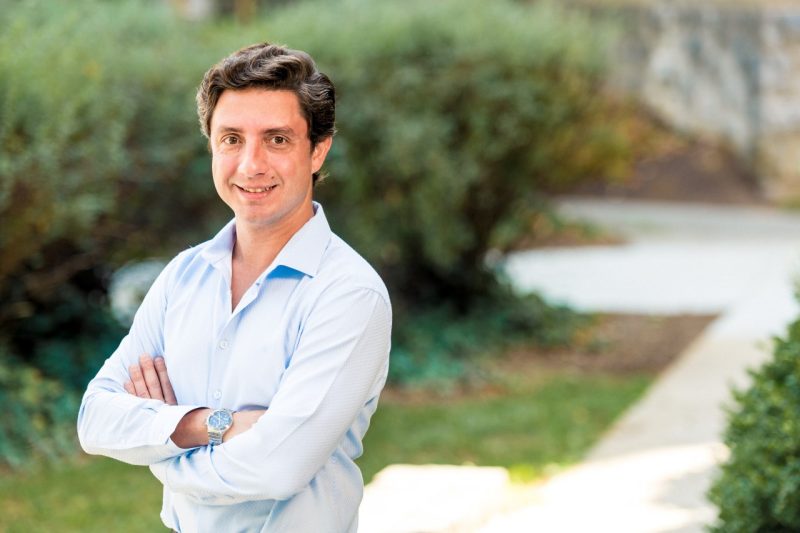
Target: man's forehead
x: 258, y: 106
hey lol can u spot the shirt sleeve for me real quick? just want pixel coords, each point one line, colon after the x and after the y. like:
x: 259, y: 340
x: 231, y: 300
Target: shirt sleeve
x: 339, y: 364
x: 116, y: 424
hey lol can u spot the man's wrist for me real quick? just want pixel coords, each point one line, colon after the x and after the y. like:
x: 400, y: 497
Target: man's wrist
x: 191, y: 431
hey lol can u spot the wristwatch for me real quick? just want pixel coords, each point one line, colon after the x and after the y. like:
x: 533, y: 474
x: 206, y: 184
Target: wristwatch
x: 218, y: 422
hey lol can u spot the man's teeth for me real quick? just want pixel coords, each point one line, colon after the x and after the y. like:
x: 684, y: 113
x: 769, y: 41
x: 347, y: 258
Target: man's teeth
x: 260, y: 189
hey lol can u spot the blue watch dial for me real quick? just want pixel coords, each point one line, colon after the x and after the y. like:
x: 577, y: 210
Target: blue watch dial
x: 220, y: 420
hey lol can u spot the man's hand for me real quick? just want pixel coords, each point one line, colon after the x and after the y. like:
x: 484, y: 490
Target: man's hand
x: 149, y: 380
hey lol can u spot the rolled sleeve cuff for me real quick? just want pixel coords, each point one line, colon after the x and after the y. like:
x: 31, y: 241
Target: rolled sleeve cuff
x: 166, y: 421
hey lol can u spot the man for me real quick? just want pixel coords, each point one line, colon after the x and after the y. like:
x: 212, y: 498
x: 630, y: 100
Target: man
x: 253, y: 366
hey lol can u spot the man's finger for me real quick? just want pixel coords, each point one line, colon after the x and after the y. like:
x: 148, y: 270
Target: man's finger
x: 163, y: 377
x: 129, y: 388
x: 140, y: 389
x: 151, y: 377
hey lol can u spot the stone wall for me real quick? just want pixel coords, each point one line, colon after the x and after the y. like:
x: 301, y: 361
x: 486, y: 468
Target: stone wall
x: 728, y: 70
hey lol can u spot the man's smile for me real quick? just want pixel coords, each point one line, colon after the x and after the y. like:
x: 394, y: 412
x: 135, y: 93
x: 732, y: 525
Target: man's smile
x: 254, y: 190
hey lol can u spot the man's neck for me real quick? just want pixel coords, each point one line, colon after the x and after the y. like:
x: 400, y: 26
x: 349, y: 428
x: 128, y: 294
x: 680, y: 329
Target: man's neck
x: 257, y: 249
x: 254, y: 249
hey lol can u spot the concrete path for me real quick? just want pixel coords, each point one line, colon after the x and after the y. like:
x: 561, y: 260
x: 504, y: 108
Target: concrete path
x: 651, y: 471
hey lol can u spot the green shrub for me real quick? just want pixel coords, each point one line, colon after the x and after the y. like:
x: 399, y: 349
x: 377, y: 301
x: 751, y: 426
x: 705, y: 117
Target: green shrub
x: 38, y: 414
x: 97, y: 121
x: 759, y: 486
x: 438, y: 344
x: 91, y: 135
x: 454, y: 118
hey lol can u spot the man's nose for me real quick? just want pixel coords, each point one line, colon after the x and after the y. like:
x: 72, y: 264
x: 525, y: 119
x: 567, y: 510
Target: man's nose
x: 255, y: 160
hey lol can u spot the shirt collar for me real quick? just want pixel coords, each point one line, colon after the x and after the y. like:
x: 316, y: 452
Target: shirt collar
x: 303, y: 252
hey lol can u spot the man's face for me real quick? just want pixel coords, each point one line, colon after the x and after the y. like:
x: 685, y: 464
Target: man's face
x: 262, y: 158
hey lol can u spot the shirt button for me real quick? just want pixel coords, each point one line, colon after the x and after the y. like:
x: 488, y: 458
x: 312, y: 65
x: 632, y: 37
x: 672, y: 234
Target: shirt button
x: 223, y: 344
x: 217, y: 394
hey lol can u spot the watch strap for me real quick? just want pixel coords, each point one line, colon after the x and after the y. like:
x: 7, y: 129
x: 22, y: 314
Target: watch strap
x: 214, y: 437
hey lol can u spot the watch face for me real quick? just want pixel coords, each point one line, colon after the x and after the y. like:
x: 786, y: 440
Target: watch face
x: 220, y: 420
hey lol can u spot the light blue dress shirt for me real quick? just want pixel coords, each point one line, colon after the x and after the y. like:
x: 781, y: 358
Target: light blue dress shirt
x: 309, y: 342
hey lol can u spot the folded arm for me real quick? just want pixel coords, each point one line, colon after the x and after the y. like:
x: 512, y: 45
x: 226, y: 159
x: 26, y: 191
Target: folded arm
x: 149, y: 380
x: 338, y: 366
x: 133, y: 427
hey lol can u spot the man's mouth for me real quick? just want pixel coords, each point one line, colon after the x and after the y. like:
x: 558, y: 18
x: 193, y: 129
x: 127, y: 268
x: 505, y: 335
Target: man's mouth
x: 255, y: 190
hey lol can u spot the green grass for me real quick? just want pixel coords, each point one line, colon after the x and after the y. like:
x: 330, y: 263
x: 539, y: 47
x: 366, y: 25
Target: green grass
x: 96, y: 495
x: 528, y: 428
x: 528, y: 432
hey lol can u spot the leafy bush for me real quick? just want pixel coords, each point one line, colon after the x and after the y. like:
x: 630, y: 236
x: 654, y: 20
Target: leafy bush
x: 97, y: 120
x: 455, y: 117
x: 432, y: 346
x: 759, y: 486
x: 90, y: 138
x: 38, y: 414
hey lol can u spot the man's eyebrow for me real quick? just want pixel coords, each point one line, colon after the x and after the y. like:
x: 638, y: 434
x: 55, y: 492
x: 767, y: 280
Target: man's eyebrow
x: 229, y: 129
x: 287, y: 131
x: 269, y: 131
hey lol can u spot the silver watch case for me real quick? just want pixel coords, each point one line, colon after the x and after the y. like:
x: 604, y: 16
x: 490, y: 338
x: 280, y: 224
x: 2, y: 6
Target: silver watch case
x: 218, y: 422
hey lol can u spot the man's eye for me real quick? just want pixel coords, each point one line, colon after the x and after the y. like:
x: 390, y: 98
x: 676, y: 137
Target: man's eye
x: 279, y: 140
x: 230, y: 140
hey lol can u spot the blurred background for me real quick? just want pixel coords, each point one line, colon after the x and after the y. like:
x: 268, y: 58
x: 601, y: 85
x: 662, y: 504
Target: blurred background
x: 469, y: 133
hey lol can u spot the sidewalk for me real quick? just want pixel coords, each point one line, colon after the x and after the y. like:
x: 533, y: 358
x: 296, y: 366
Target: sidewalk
x: 651, y: 471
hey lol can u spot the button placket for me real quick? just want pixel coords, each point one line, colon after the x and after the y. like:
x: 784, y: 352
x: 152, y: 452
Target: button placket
x: 219, y: 362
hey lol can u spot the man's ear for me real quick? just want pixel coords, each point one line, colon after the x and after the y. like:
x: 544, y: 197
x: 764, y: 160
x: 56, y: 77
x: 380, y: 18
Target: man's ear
x: 319, y: 153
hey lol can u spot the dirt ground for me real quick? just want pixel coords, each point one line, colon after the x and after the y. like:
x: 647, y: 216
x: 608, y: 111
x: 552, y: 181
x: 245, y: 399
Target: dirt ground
x: 667, y: 167
x: 609, y: 344
x: 619, y: 344
x: 672, y: 167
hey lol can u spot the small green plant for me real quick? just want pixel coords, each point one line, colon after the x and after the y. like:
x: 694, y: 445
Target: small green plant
x: 439, y: 345
x: 38, y: 414
x: 759, y: 486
